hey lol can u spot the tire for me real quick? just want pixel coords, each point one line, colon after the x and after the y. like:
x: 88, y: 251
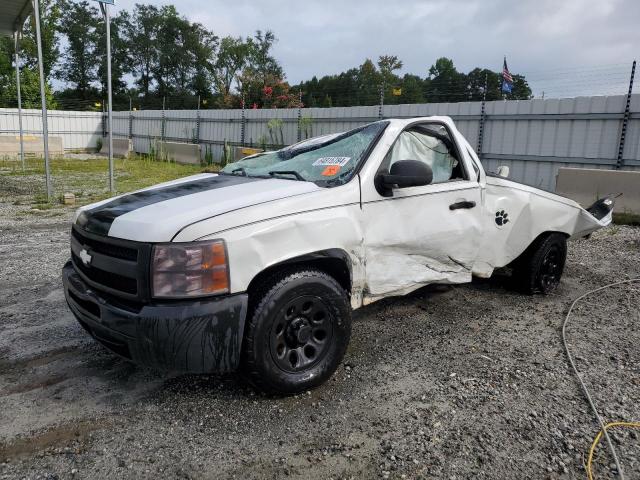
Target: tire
x: 298, y: 332
x: 540, y: 267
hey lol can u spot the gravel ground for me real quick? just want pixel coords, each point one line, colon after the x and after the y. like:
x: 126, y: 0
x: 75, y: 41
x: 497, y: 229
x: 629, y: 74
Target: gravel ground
x: 450, y: 382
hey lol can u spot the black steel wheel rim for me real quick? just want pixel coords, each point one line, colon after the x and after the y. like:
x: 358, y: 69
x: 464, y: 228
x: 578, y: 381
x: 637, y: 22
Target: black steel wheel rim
x: 551, y: 269
x: 301, y: 333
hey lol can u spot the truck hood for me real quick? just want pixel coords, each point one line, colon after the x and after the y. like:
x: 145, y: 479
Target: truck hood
x: 158, y: 213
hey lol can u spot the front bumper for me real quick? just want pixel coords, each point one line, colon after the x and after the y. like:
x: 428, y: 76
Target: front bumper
x: 194, y: 336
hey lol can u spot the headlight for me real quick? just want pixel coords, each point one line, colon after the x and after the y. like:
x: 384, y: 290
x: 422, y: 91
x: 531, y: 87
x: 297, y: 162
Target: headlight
x: 190, y: 269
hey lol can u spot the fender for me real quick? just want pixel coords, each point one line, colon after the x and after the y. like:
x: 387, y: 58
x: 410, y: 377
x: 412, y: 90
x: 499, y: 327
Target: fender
x: 315, y: 236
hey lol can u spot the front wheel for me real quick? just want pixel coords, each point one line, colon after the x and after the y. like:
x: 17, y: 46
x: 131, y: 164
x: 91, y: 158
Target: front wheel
x: 540, y: 267
x: 298, y: 332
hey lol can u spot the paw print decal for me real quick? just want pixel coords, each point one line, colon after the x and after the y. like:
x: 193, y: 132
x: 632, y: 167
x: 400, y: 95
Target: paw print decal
x: 502, y: 218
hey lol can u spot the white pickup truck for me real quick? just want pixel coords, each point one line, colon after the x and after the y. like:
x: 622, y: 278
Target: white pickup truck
x: 258, y: 268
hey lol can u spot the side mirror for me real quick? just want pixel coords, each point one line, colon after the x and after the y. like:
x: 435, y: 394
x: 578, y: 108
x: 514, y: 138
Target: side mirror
x: 503, y: 171
x: 405, y: 173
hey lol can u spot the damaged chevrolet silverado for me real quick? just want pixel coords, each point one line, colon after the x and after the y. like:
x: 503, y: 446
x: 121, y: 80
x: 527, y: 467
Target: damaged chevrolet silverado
x: 258, y: 268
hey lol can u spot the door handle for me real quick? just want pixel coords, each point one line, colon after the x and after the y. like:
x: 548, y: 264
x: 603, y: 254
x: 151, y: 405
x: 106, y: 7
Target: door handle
x: 464, y: 204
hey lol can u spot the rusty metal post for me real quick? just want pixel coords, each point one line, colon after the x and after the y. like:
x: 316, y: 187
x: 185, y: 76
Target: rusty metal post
x: 242, y: 124
x: 625, y: 120
x: 482, y: 119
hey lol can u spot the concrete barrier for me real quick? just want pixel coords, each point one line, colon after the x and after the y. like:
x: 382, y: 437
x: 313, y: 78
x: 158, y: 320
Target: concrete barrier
x: 188, y: 153
x: 121, y: 147
x: 586, y: 185
x: 33, y: 146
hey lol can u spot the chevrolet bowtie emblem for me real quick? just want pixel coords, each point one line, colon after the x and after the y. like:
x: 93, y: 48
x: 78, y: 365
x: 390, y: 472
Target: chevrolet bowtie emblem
x: 85, y: 257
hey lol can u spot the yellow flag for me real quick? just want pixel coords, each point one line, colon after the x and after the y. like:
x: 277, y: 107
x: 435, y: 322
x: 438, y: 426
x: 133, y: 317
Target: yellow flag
x: 397, y: 92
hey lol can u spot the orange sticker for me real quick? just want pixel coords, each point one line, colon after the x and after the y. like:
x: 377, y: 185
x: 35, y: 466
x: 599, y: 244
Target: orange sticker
x: 331, y: 170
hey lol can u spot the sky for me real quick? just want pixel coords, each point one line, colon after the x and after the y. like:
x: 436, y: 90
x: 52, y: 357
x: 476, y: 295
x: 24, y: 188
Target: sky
x: 565, y: 47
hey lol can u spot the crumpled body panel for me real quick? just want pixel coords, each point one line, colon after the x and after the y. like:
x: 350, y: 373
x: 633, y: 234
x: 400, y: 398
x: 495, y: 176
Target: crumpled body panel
x: 529, y: 213
x: 413, y: 238
x: 397, y: 272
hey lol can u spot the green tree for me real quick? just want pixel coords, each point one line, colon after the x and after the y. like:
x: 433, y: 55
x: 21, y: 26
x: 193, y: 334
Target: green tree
x: 262, y: 70
x: 50, y: 15
x: 232, y: 56
x: 475, y: 86
x: 7, y: 75
x: 120, y: 56
x: 387, y: 65
x: 412, y: 89
x: 203, y: 46
x: 30, y: 90
x: 262, y: 63
x: 142, y: 38
x: 369, y: 82
x: 476, y: 81
x: 445, y: 84
x: 78, y: 66
x: 30, y: 79
x: 521, y: 89
x: 180, y: 46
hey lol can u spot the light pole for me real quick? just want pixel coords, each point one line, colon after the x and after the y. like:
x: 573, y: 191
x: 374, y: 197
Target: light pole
x: 16, y: 39
x: 45, y: 128
x: 104, y: 6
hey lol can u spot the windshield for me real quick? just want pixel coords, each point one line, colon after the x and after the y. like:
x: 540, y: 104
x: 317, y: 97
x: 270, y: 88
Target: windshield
x: 328, y: 161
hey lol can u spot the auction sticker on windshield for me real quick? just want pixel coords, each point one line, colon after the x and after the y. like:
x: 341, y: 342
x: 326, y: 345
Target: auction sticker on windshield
x: 331, y: 170
x: 325, y: 161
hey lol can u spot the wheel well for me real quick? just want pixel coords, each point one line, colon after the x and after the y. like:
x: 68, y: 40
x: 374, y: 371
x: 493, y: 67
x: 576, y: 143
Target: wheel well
x: 533, y: 245
x: 334, y: 262
x: 543, y: 235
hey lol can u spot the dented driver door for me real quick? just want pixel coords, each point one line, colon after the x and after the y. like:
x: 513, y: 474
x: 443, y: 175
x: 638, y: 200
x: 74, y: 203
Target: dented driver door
x: 425, y: 234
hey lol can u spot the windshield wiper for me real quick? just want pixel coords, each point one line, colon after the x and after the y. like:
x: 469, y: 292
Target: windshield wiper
x: 273, y: 173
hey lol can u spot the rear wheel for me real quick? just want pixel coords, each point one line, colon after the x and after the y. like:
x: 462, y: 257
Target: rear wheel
x: 298, y: 332
x: 540, y: 267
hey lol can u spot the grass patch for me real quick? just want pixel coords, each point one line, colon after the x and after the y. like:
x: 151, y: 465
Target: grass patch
x: 87, y: 179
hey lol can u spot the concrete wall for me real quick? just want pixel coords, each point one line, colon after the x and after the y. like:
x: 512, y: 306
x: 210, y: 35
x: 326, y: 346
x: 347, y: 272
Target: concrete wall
x: 33, y: 145
x: 121, y: 147
x: 585, y: 186
x: 187, y: 153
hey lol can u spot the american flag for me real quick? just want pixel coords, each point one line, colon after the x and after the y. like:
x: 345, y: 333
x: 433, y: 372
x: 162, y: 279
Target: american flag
x: 507, y: 79
x: 506, y: 75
